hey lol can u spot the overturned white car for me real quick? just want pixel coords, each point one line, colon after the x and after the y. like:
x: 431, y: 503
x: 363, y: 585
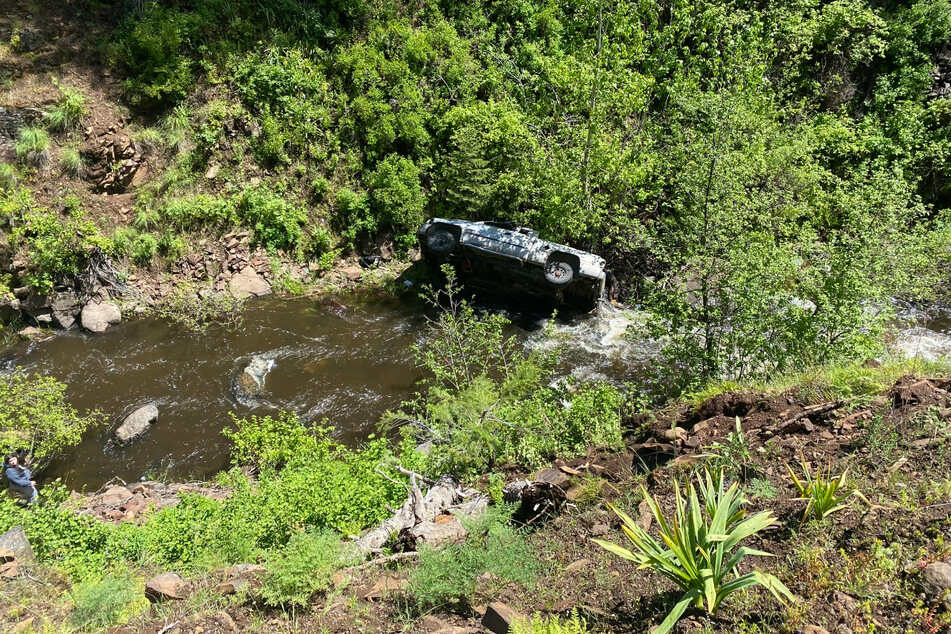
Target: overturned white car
x: 503, y: 258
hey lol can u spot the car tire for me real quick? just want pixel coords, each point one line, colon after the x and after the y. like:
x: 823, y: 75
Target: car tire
x: 440, y: 240
x: 559, y: 271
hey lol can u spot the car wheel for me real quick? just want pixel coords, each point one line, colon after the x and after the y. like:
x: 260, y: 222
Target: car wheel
x: 558, y: 271
x: 440, y: 240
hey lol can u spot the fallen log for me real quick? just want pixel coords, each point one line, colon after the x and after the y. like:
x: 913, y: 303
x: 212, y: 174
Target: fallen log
x: 418, y: 513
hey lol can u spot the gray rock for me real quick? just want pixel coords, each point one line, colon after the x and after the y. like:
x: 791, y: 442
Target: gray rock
x: 936, y: 580
x: 15, y: 540
x: 66, y: 308
x: 97, y: 316
x: 136, y: 423
x: 250, y: 383
x: 248, y: 283
x: 499, y: 618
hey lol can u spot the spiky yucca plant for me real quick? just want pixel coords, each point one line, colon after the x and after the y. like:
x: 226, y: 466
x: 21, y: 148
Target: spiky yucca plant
x: 822, y: 492
x: 697, y: 548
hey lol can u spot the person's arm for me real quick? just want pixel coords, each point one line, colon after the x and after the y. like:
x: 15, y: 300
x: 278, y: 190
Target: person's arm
x: 18, y: 477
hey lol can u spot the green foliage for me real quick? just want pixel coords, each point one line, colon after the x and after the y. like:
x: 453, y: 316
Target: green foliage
x: 146, y: 218
x: 574, y: 624
x: 732, y: 456
x: 822, y: 492
x: 488, y: 402
x: 104, y: 603
x: 144, y: 248
x: 266, y: 442
x: 35, y: 415
x: 8, y: 176
x: 698, y: 546
x: 197, y: 309
x: 304, y: 567
x: 396, y: 197
x: 277, y: 224
x: 449, y: 575
x: 68, y: 111
x: 150, y: 49
x: 71, y: 162
x: 32, y: 145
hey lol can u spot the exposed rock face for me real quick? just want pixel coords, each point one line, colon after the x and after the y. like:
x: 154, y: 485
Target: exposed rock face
x: 15, y: 541
x: 136, y: 423
x: 98, y: 316
x: 248, y: 283
x: 113, y: 160
x: 250, y: 383
x: 165, y: 586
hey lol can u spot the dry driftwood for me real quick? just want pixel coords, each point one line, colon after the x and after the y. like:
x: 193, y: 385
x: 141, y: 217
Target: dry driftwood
x: 420, y: 510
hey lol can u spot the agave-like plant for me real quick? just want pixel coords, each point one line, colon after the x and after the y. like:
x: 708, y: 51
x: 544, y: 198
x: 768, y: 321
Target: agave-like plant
x: 822, y: 492
x: 697, y: 552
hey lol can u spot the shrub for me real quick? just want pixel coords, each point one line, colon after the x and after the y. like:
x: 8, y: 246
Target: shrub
x: 304, y: 567
x: 822, y: 492
x: 146, y: 218
x: 397, y: 197
x: 68, y: 112
x: 8, y: 176
x: 122, y: 241
x: 266, y: 442
x: 172, y: 247
x: 32, y: 146
x: 106, y: 602
x: 276, y: 223
x: 697, y: 548
x: 150, y: 49
x: 71, y: 162
x: 201, y: 210
x: 144, y: 248
x: 449, y: 575
x: 195, y: 311
x: 35, y: 414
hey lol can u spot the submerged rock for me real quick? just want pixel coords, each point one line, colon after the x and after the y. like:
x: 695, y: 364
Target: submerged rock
x: 250, y: 383
x: 136, y: 423
x: 97, y: 316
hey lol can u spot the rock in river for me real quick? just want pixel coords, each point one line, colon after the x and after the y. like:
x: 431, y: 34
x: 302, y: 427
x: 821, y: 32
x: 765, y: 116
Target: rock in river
x: 250, y: 383
x: 97, y: 316
x: 137, y: 422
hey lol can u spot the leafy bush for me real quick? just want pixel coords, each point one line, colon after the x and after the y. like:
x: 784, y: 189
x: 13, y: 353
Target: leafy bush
x: 304, y: 567
x: 68, y: 111
x: 197, y: 211
x: 822, y: 492
x: 146, y: 218
x: 144, y: 248
x: 32, y: 146
x: 195, y: 311
x: 449, y: 575
x: 276, y: 223
x: 397, y: 198
x: 150, y: 50
x: 35, y: 414
x: 172, y: 247
x: 489, y: 402
x: 698, y: 544
x: 106, y: 602
x: 266, y: 442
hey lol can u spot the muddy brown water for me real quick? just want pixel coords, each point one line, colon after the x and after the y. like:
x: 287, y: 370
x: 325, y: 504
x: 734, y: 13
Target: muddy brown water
x: 346, y: 363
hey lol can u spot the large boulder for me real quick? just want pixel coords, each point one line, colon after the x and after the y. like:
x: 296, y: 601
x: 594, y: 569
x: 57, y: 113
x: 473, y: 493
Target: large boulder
x: 66, y: 308
x: 15, y: 541
x: 136, y: 423
x: 97, y: 315
x: 936, y: 579
x: 248, y: 283
x: 165, y: 586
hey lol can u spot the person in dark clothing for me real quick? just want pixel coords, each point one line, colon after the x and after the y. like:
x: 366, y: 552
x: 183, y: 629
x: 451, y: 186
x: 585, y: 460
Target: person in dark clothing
x: 19, y: 480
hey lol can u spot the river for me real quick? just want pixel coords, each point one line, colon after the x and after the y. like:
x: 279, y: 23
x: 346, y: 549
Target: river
x: 346, y: 360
